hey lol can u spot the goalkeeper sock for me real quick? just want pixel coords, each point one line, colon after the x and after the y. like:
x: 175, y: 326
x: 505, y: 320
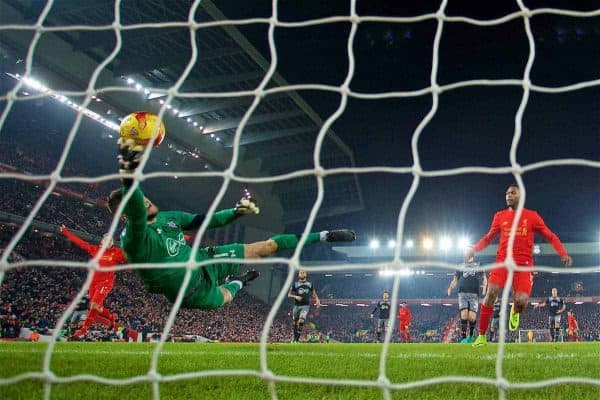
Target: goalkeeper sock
x: 484, y: 318
x: 463, y: 328
x: 552, y: 333
x: 290, y: 241
x: 556, y: 334
x: 233, y: 287
x: 379, y: 336
x: 471, y: 327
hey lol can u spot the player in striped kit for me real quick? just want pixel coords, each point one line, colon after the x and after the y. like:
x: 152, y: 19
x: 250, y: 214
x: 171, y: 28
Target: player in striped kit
x: 301, y: 291
x: 468, y: 297
x: 384, y: 306
x: 556, y: 307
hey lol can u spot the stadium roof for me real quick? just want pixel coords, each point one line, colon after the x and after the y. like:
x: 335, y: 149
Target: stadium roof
x: 278, y: 138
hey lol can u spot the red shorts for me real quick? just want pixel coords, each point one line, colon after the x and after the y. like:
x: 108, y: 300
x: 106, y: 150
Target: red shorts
x: 522, y: 280
x: 403, y: 326
x: 99, y: 292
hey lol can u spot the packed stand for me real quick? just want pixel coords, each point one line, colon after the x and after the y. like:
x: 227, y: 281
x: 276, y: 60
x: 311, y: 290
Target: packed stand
x: 587, y: 315
x: 35, y: 297
x: 435, y: 286
x: 19, y: 198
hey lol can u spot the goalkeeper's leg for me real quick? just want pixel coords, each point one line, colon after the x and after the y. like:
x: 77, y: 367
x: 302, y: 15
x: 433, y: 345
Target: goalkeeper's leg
x: 204, y: 291
x: 290, y: 241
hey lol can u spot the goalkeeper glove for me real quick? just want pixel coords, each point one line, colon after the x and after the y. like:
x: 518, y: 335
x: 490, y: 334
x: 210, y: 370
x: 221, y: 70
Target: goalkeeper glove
x: 130, y: 155
x: 246, y: 206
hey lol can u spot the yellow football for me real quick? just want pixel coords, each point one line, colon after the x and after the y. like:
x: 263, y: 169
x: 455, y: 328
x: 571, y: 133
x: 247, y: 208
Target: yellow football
x: 143, y: 127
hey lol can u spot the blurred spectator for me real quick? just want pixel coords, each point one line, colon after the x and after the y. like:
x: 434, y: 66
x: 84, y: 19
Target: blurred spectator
x: 37, y: 297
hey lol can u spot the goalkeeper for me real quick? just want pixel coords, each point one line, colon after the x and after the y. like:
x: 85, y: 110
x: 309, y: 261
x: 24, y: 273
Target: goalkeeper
x: 153, y: 236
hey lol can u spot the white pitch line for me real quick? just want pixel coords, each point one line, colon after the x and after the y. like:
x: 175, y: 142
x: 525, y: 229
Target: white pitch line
x: 467, y: 354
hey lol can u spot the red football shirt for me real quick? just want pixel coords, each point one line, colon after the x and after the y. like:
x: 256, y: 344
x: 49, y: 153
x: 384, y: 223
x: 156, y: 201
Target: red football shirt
x: 404, y: 315
x: 529, y: 223
x: 110, y: 258
x: 572, y: 322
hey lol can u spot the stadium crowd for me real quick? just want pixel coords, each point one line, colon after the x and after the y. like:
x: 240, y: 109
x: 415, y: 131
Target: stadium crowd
x: 435, y: 286
x: 20, y: 158
x: 20, y: 197
x: 587, y: 315
x: 35, y: 297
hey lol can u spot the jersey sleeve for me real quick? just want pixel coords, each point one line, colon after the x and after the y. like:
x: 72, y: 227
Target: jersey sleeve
x: 376, y: 307
x: 222, y: 218
x: 79, y: 242
x: 134, y: 236
x: 489, y: 237
x: 219, y: 218
x: 540, y: 227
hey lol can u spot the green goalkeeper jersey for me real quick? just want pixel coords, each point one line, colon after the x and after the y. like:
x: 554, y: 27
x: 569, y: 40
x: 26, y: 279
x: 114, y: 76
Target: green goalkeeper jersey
x: 163, y: 242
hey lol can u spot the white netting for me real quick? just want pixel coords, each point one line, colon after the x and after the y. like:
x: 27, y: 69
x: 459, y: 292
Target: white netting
x: 318, y: 171
x: 538, y: 335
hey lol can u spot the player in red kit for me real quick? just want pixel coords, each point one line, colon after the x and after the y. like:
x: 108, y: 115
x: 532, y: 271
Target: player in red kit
x: 573, y: 327
x: 405, y: 317
x: 102, y: 282
x: 529, y: 223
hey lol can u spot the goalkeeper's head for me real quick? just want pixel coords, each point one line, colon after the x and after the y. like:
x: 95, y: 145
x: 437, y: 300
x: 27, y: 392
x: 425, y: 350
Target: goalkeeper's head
x: 114, y: 200
x: 386, y: 295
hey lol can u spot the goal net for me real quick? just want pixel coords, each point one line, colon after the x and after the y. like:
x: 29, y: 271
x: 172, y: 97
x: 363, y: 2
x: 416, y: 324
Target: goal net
x: 16, y: 31
x: 538, y: 335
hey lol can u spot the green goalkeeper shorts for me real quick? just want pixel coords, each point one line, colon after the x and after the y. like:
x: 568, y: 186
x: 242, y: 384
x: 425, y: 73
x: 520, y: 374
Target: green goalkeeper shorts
x: 205, y: 293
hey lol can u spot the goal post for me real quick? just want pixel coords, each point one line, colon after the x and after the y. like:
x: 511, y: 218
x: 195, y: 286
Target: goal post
x: 538, y: 336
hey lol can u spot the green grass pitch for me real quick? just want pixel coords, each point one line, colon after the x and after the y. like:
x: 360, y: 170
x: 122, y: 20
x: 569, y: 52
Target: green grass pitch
x: 405, y: 363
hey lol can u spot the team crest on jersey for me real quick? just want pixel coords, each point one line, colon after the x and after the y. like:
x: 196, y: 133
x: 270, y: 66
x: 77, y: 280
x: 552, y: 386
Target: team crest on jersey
x: 172, y: 224
x: 173, y: 245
